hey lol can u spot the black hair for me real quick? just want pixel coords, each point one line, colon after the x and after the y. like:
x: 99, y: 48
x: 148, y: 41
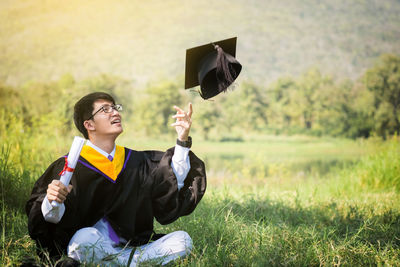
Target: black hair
x: 83, y: 109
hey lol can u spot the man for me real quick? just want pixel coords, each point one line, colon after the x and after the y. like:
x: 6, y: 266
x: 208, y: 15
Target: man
x: 115, y: 193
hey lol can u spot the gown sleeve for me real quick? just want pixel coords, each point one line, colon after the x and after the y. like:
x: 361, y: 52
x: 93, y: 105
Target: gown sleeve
x: 169, y: 203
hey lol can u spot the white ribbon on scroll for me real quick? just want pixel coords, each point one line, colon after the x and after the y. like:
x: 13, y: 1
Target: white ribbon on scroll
x: 70, y: 163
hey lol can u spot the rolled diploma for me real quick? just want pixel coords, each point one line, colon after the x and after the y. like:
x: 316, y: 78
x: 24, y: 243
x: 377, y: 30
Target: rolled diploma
x: 72, y: 159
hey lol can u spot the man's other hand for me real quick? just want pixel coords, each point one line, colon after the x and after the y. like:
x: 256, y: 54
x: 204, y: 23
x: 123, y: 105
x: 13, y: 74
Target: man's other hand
x: 58, y: 191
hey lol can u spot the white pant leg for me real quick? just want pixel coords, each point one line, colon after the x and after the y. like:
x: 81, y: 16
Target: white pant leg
x: 168, y: 248
x: 92, y: 246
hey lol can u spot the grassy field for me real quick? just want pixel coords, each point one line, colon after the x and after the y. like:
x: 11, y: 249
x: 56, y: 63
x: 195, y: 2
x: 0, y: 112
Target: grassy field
x: 292, y: 201
x: 261, y: 156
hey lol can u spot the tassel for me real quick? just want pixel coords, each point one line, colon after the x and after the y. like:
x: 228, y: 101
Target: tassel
x: 225, y: 72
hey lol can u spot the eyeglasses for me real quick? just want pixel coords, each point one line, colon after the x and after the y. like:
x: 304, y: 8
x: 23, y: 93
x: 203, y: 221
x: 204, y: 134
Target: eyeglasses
x: 107, y: 109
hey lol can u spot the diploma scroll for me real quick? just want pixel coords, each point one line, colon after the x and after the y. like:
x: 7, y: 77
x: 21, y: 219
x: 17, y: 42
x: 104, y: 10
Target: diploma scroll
x: 70, y: 163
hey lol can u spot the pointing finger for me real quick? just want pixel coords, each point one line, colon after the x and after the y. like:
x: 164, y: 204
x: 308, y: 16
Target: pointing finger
x: 190, y: 110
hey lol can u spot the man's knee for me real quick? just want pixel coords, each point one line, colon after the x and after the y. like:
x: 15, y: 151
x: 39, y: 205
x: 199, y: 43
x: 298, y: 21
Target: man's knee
x: 186, y: 239
x: 88, y: 236
x: 89, y: 245
x: 168, y: 248
x: 180, y: 241
x: 82, y: 242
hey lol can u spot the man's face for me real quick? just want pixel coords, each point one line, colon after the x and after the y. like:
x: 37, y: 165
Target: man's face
x: 102, y: 123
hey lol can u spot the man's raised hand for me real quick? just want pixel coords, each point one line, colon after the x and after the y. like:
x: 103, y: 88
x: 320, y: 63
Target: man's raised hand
x: 183, y: 122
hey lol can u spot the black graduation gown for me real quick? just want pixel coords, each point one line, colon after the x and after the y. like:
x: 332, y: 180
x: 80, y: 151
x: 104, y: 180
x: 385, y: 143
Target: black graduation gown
x: 145, y: 188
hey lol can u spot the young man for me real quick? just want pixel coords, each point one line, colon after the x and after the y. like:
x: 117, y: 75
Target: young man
x: 115, y: 193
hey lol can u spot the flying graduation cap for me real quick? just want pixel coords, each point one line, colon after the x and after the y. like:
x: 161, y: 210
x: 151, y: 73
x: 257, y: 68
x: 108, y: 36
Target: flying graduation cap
x: 212, y: 66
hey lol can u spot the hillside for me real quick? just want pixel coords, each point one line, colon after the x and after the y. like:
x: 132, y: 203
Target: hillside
x: 146, y: 40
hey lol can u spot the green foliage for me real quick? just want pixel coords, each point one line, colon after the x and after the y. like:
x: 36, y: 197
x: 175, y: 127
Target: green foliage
x: 245, y: 108
x: 154, y: 108
x: 316, y: 104
x: 384, y: 81
x: 15, y: 186
x: 9, y: 98
x: 380, y: 171
x: 307, y: 98
x: 15, y: 183
x: 121, y: 89
x: 357, y: 118
x: 206, y: 116
x: 312, y: 104
x: 281, y: 113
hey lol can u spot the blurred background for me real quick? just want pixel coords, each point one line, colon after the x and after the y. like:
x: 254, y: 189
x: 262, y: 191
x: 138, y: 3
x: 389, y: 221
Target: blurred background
x: 318, y: 93
x: 314, y: 67
x: 310, y: 68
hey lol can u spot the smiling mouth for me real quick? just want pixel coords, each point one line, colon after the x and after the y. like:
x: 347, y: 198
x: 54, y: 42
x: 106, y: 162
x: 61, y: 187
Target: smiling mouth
x: 116, y: 121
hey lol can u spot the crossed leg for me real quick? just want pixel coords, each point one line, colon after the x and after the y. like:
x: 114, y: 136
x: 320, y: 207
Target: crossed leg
x: 91, y: 245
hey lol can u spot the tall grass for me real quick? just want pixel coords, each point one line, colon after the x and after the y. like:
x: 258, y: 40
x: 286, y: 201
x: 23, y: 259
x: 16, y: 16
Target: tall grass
x: 15, y: 186
x: 381, y: 171
x: 24, y: 154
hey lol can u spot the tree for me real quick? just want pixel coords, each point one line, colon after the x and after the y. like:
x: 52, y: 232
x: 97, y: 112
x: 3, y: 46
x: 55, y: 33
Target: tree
x: 155, y: 108
x: 206, y: 116
x: 280, y: 112
x: 245, y: 108
x: 310, y: 87
x: 384, y: 81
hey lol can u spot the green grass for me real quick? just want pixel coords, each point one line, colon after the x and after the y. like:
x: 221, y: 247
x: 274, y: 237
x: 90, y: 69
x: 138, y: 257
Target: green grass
x: 348, y: 215
x: 265, y: 230
x: 326, y: 220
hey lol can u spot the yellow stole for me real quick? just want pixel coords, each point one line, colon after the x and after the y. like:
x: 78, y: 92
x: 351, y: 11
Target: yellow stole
x: 103, y: 164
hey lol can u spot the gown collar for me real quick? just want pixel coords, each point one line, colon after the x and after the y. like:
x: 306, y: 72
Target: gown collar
x: 101, y: 151
x: 101, y: 163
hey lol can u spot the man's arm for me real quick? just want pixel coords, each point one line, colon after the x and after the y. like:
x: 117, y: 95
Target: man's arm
x: 180, y: 164
x: 180, y: 161
x: 168, y: 202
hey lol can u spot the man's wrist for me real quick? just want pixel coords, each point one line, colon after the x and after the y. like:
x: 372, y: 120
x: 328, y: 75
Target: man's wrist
x: 187, y: 143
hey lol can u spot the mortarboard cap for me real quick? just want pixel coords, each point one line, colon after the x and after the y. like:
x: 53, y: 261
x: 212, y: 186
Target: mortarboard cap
x: 212, y: 66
